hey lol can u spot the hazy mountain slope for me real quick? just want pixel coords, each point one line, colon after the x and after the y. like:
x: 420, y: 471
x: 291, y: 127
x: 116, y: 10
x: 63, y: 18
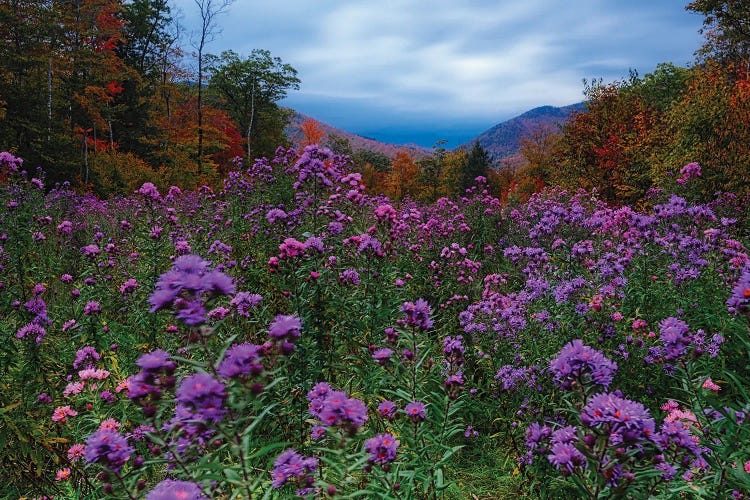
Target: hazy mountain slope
x: 504, y: 139
x: 294, y: 133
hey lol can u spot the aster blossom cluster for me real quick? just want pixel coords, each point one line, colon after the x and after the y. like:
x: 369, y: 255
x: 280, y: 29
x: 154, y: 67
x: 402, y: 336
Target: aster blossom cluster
x: 187, y: 287
x: 291, y: 466
x: 417, y: 314
x: 156, y: 374
x: 171, y: 489
x: 109, y: 448
x: 578, y: 363
x: 739, y: 300
x: 382, y: 448
x: 336, y: 408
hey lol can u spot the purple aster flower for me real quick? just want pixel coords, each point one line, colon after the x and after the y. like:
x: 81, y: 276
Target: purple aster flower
x: 577, y: 362
x: 382, y: 448
x: 739, y: 301
x: 336, y: 408
x: 109, y: 448
x: 623, y: 420
x: 285, y: 327
x: 566, y: 457
x: 318, y: 432
x: 129, y: 286
x: 349, y: 277
x: 156, y: 361
x: 241, y: 359
x: 92, y: 307
x: 275, y: 214
x: 382, y: 355
x: 537, y: 436
x: 675, y: 335
x: 417, y: 314
x: 149, y: 191
x: 319, y: 391
x: 191, y: 312
x: 568, y: 434
x: 387, y: 409
x: 243, y: 301
x: 90, y: 251
x: 416, y: 411
x: 290, y: 465
x: 32, y: 330
x: 170, y: 489
x: 186, y: 284
x: 85, y: 358
x: 203, y: 396
x: 217, y: 283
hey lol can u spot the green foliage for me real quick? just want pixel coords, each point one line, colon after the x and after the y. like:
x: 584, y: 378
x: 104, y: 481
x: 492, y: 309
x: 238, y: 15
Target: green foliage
x: 249, y: 89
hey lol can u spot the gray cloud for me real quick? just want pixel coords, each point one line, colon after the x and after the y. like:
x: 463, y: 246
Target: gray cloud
x: 374, y: 65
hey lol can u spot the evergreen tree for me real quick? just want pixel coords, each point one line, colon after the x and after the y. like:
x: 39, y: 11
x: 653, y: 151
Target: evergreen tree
x: 478, y: 163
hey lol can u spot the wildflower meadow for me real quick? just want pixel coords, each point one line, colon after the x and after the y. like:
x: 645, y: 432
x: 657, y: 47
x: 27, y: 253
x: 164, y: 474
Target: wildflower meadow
x: 291, y: 335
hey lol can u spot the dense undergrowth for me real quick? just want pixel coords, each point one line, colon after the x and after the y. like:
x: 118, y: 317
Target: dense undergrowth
x: 291, y: 335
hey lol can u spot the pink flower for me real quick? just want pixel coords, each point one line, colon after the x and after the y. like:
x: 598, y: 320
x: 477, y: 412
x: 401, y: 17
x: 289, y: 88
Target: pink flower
x: 62, y: 474
x: 62, y: 412
x: 747, y: 467
x: 76, y: 452
x: 670, y: 405
x: 109, y: 424
x: 73, y: 388
x: 95, y: 373
x: 709, y: 384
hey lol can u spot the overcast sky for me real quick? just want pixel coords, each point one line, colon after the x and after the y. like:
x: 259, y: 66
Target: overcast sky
x: 414, y: 71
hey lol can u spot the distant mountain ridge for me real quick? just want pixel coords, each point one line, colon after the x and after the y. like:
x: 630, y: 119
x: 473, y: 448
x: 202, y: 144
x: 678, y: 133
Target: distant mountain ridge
x: 501, y: 141
x: 294, y: 132
x: 504, y: 139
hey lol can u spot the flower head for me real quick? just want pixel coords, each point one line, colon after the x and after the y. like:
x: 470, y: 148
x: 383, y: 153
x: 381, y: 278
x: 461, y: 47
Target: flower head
x: 170, y: 489
x: 382, y: 448
x: 416, y: 411
x: 577, y: 361
x: 109, y: 448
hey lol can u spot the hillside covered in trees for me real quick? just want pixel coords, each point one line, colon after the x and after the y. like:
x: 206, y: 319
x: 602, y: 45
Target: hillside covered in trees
x: 108, y: 94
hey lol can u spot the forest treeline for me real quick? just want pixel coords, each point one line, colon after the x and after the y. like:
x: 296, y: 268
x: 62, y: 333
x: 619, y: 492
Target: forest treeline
x: 635, y: 135
x: 108, y: 94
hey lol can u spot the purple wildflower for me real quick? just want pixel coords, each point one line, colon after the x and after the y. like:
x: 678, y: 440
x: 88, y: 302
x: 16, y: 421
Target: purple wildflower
x: 537, y: 436
x: 203, y: 396
x: 382, y: 355
x: 349, y: 277
x: 149, y: 191
x: 577, y: 362
x: 243, y: 301
x: 85, y: 358
x: 31, y: 330
x: 290, y: 465
x: 416, y: 411
x: 624, y: 420
x: 382, y: 448
x: 336, y: 407
x: 92, y: 307
x: 129, y: 286
x: 566, y: 457
x: 739, y: 301
x: 285, y: 327
x: 387, y: 409
x: 109, y: 448
x: 417, y: 314
x: 674, y: 334
x: 187, y: 285
x: 240, y: 360
x: 170, y: 489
